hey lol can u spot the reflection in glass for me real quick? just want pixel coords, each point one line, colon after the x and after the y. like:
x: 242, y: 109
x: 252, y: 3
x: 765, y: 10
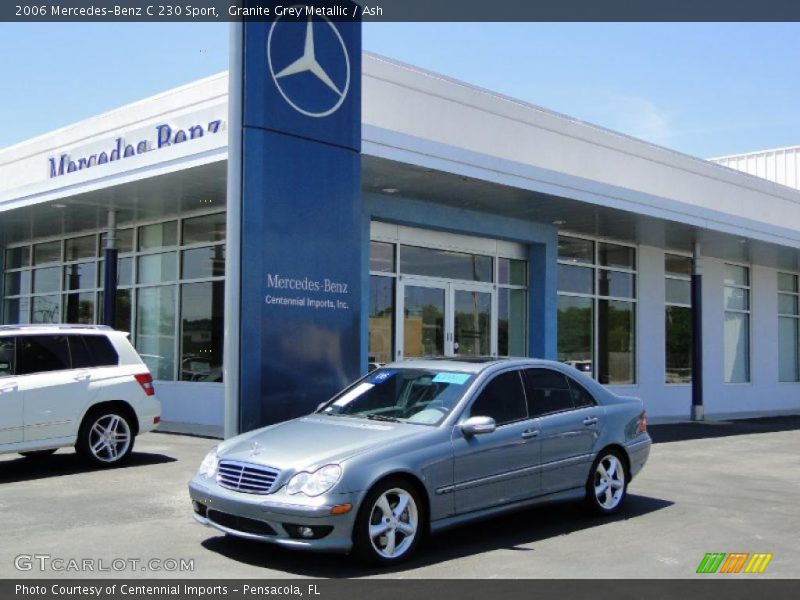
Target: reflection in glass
x: 79, y: 276
x: 575, y: 332
x: 123, y: 320
x: 82, y: 247
x: 202, y: 310
x: 787, y: 282
x: 155, y: 330
x: 17, y: 311
x: 736, y: 275
x: 512, y: 322
x: 677, y: 265
x: 578, y: 280
x: 615, y: 341
x: 200, y: 263
x: 79, y: 308
x: 46, y: 309
x: 209, y: 228
x: 124, y: 241
x: 512, y: 272
x: 381, y: 257
x: 18, y: 257
x: 678, y: 324
x: 157, y: 268
x: 46, y: 253
x: 678, y: 291
x: 160, y: 235
x: 737, y: 298
x: 381, y: 319
x: 788, y: 304
x: 47, y: 280
x: 613, y: 255
x: 616, y: 284
x: 423, y: 321
x: 17, y: 282
x: 444, y: 263
x: 473, y: 317
x: 737, y: 347
x: 789, y: 349
x: 575, y: 250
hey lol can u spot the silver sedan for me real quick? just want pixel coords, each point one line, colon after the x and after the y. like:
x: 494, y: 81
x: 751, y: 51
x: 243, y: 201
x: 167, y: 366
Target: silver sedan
x: 418, y: 446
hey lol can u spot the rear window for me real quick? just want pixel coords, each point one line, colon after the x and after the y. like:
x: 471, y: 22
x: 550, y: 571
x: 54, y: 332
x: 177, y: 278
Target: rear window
x: 92, y: 351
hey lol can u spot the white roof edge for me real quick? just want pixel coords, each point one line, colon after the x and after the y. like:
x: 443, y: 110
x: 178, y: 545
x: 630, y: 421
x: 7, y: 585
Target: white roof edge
x: 755, y: 153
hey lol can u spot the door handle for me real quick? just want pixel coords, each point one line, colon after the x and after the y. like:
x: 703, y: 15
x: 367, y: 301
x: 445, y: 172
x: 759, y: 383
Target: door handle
x: 590, y: 421
x: 82, y: 376
x: 529, y: 433
x: 8, y: 388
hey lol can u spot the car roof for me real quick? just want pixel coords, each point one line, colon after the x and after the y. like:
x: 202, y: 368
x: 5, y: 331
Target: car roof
x: 467, y: 364
x: 54, y: 328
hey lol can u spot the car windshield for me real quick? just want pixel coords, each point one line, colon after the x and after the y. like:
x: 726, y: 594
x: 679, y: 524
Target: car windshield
x: 422, y: 396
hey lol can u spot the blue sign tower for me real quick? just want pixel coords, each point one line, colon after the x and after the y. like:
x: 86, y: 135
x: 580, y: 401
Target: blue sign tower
x: 293, y: 296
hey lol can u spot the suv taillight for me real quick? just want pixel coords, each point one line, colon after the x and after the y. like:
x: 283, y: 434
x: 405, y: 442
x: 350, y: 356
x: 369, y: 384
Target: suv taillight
x: 146, y: 381
x: 642, y: 423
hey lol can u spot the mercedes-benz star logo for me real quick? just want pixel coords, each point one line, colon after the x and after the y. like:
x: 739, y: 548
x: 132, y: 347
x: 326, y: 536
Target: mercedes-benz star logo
x: 308, y: 63
x: 255, y: 449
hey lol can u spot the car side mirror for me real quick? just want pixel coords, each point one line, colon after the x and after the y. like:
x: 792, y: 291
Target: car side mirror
x: 478, y: 425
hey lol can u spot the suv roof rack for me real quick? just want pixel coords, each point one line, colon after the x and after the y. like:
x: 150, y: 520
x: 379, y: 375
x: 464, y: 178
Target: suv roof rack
x: 55, y: 326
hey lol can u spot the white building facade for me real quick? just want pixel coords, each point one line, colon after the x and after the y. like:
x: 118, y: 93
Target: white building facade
x: 459, y: 184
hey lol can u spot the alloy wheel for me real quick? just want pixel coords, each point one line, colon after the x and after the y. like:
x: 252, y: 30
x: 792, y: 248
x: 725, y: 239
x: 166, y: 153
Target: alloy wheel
x: 393, y: 523
x: 609, y: 482
x: 109, y: 438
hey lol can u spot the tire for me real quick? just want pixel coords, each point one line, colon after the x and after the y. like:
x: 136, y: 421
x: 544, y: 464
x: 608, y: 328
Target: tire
x: 382, y: 536
x: 607, y: 486
x: 106, y: 438
x: 36, y: 454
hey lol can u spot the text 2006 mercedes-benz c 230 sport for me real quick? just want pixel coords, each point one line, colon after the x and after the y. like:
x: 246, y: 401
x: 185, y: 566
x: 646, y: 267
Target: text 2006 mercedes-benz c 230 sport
x: 421, y: 445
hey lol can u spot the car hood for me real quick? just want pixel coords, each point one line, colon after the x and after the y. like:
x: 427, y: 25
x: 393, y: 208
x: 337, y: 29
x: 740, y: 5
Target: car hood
x: 314, y: 440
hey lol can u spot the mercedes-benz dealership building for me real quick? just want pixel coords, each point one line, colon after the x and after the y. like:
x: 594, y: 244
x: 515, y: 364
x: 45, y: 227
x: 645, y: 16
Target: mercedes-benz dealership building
x: 487, y: 226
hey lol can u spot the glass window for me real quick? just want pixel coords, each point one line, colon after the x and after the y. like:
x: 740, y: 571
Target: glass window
x: 577, y: 280
x: 16, y: 311
x: 581, y: 398
x: 101, y: 350
x: 155, y: 329
x: 789, y: 349
x: 737, y: 347
x: 123, y: 321
x: 80, y: 276
x: 46, y: 253
x: 546, y: 391
x: 199, y: 263
x: 124, y: 241
x: 737, y: 275
x: 18, y: 257
x: 46, y: 309
x: 43, y: 353
x: 81, y: 247
x: 202, y: 311
x: 502, y: 399
x: 157, y: 268
x: 512, y: 322
x: 575, y: 250
x: 17, y: 282
x: 47, y: 280
x: 787, y: 304
x: 678, y: 291
x: 512, y: 272
x: 381, y: 319
x: 7, y: 356
x: 444, y: 263
x: 79, y: 308
x: 614, y: 255
x: 160, y: 235
x: 616, y: 284
x: 615, y: 341
x: 381, y: 257
x: 208, y: 228
x: 124, y: 272
x: 679, y: 266
x: 737, y: 298
x: 787, y: 282
x: 575, y: 327
x: 678, y: 327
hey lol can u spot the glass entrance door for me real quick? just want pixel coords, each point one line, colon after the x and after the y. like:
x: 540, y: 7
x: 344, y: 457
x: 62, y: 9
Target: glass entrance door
x: 441, y: 318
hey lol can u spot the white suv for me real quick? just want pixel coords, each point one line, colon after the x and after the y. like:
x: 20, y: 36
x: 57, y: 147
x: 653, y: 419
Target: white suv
x: 70, y: 385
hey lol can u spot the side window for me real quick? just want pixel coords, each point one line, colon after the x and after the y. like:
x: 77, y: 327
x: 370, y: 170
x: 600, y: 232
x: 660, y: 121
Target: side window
x: 6, y: 356
x: 42, y: 353
x: 547, y: 392
x: 581, y: 397
x: 79, y: 352
x: 502, y: 399
x: 101, y: 351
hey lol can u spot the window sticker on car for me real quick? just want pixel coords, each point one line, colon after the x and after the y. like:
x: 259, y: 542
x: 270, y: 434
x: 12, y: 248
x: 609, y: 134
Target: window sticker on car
x: 455, y: 378
x: 354, y: 393
x: 381, y: 376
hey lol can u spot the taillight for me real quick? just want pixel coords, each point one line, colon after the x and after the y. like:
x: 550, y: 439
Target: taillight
x: 146, y: 381
x: 642, y: 423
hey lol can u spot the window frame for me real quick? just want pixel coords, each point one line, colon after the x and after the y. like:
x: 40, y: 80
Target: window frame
x: 668, y: 304
x: 795, y: 317
x: 749, y: 312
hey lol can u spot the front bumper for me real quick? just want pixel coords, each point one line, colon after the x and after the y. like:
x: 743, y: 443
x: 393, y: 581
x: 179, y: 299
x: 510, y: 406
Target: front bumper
x: 266, y: 517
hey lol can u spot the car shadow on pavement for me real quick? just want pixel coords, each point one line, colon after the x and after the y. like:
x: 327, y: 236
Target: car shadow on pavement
x: 67, y: 463
x: 518, y: 531
x: 695, y: 430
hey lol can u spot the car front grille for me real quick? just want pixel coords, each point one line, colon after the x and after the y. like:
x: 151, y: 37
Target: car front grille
x: 243, y: 524
x: 246, y: 477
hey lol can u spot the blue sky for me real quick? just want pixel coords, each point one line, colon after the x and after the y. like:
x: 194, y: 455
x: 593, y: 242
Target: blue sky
x: 703, y: 89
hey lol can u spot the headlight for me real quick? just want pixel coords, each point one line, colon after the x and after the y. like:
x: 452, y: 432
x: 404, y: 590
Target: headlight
x: 316, y: 483
x: 208, y: 468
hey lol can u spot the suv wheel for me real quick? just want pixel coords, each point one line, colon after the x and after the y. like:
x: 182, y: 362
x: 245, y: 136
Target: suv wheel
x: 106, y: 438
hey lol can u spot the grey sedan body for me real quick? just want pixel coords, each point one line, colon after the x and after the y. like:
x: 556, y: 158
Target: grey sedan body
x: 418, y: 446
